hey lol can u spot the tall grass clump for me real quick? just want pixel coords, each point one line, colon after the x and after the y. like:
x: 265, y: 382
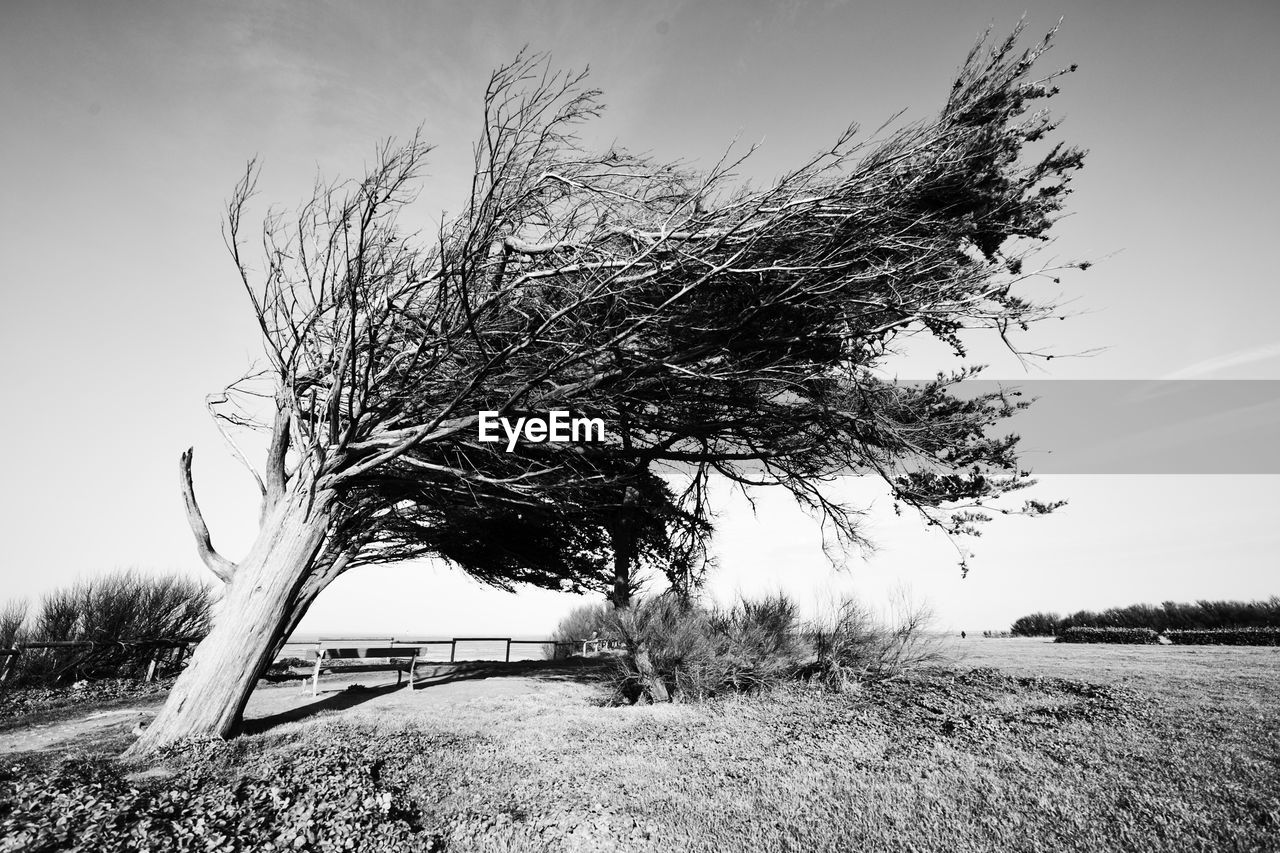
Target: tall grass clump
x: 854, y: 645
x: 761, y: 642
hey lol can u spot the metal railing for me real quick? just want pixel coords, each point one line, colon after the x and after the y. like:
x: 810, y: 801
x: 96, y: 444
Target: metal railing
x: 586, y: 645
x: 77, y: 659
x: 452, y: 643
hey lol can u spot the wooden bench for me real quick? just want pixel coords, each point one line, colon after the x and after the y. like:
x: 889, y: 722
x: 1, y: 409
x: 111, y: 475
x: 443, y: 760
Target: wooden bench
x: 395, y: 655
x: 597, y: 645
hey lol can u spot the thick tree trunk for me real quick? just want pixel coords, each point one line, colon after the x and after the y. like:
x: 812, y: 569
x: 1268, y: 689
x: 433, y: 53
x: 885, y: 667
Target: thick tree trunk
x: 623, y: 556
x: 654, y: 689
x: 264, y: 599
x: 624, y: 543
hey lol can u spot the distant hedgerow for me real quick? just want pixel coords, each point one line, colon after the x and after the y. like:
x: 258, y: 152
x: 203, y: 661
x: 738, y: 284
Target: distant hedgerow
x: 1171, y: 615
x: 1134, y: 636
x: 1226, y: 637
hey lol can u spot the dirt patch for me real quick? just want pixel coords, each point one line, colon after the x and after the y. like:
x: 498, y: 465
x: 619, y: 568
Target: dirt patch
x: 86, y: 733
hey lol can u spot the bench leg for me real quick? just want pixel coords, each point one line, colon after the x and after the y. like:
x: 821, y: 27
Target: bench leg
x: 315, y: 678
x: 413, y: 665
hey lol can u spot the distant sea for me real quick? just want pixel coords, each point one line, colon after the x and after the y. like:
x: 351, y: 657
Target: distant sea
x: 300, y: 643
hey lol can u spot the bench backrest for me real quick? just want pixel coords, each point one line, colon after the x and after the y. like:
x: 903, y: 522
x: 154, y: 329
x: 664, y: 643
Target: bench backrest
x: 358, y: 652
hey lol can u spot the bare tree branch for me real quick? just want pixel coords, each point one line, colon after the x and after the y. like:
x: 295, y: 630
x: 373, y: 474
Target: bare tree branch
x: 219, y: 565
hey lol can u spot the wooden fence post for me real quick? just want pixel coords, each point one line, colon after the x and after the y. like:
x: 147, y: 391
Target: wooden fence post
x: 9, y: 655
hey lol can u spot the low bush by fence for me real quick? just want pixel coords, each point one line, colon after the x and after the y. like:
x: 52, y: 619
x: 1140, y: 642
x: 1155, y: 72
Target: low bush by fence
x: 1132, y: 636
x: 124, y: 623
x: 64, y: 662
x: 1226, y: 637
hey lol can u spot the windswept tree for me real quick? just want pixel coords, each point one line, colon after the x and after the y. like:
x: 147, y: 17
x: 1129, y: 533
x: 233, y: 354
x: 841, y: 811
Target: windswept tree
x: 727, y: 329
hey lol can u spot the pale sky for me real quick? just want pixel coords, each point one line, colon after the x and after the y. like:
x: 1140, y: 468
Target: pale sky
x: 126, y: 124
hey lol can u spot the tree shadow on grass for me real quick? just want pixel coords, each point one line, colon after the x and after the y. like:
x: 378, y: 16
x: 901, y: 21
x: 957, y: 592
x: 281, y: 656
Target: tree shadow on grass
x: 429, y: 675
x: 354, y: 694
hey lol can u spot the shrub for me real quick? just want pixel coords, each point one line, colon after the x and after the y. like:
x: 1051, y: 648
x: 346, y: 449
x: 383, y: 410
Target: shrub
x: 700, y: 653
x: 324, y: 796
x: 127, y: 605
x: 1108, y: 635
x: 1226, y: 637
x: 854, y: 646
x: 677, y: 635
x: 758, y: 644
x: 124, y: 605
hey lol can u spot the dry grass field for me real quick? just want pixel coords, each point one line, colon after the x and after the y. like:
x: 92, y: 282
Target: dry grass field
x: 1019, y: 745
